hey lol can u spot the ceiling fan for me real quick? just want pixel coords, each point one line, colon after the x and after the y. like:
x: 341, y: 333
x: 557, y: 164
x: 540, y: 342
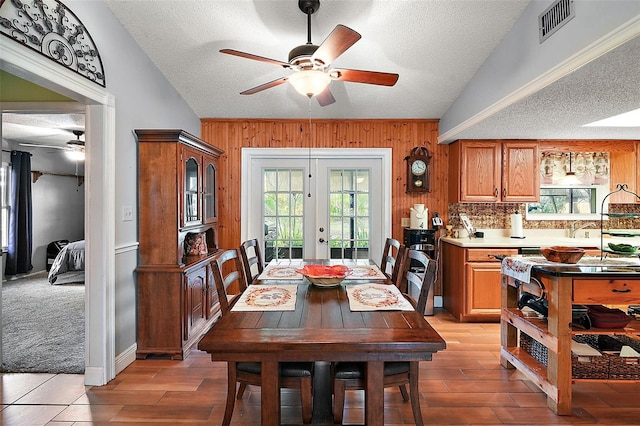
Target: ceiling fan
x: 74, y: 147
x: 310, y: 62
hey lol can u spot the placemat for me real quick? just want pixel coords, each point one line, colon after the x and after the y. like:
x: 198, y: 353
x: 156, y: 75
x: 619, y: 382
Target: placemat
x: 377, y: 297
x: 267, y: 298
x: 286, y: 270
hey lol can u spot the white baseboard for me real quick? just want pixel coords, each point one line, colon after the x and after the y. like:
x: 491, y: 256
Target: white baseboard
x: 125, y: 358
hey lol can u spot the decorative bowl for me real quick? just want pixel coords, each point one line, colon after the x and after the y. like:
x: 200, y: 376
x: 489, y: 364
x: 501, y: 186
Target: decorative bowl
x: 325, y: 275
x: 562, y: 254
x: 325, y: 281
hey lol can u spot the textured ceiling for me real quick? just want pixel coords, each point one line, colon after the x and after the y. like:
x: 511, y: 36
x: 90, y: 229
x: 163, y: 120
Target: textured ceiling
x: 607, y: 86
x: 435, y: 46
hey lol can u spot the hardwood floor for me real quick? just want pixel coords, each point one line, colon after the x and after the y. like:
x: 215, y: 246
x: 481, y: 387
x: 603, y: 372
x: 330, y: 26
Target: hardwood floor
x: 463, y: 385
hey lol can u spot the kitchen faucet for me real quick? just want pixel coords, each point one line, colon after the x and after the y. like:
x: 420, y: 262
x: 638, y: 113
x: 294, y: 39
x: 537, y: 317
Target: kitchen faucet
x: 573, y: 228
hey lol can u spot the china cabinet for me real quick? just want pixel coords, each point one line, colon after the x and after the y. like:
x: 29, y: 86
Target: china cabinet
x: 494, y: 171
x: 177, y: 196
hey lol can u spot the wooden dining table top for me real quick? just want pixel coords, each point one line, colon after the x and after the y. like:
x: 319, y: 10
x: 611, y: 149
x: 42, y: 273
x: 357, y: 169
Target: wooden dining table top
x: 321, y: 328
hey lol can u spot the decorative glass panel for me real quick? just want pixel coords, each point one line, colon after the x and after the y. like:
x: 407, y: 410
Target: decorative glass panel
x: 210, y: 193
x: 349, y: 220
x: 191, y: 191
x: 283, y: 202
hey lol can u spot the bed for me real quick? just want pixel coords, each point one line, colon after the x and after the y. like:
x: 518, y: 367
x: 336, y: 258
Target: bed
x: 71, y: 258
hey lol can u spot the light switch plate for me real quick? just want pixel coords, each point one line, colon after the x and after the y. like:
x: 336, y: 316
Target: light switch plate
x: 127, y: 213
x: 405, y: 222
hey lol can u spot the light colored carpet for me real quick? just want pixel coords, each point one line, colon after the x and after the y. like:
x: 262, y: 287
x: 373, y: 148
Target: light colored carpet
x: 43, y: 325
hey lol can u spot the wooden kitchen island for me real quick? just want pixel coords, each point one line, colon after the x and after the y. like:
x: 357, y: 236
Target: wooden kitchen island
x: 583, y: 283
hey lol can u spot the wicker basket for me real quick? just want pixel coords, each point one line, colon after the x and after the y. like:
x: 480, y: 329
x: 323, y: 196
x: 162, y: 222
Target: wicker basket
x: 623, y: 368
x: 591, y: 367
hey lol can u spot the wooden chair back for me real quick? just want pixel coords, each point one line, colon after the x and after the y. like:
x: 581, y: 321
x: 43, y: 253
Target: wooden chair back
x: 389, y: 257
x: 228, y: 272
x: 251, y: 259
x: 425, y: 281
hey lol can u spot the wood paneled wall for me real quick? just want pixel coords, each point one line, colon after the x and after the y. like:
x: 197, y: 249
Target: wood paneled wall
x: 400, y: 135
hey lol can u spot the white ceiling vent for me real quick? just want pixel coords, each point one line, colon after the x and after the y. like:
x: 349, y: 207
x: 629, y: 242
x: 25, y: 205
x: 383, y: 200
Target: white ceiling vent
x: 556, y: 15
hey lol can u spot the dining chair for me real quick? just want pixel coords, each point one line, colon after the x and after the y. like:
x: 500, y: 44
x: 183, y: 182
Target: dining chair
x: 252, y: 259
x: 227, y: 270
x: 351, y: 375
x: 389, y: 257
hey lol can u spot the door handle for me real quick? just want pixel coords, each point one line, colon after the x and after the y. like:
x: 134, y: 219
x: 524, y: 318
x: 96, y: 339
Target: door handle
x: 322, y: 240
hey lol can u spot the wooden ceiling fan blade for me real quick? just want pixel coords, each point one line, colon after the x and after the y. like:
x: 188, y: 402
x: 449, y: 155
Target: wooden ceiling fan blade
x: 255, y: 57
x: 367, y: 77
x: 336, y: 43
x: 265, y: 86
x: 326, y: 97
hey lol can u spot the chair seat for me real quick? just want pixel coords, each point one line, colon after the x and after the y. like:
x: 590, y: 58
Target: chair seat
x: 355, y: 370
x: 287, y: 369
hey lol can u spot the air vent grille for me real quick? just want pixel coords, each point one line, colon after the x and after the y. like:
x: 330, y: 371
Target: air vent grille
x: 554, y: 17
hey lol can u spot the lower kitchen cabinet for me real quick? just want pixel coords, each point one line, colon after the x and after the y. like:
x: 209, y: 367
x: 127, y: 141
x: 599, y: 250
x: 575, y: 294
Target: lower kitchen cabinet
x: 471, y: 282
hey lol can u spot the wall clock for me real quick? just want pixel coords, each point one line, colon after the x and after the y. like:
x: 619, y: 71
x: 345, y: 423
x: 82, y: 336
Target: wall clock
x: 418, y: 170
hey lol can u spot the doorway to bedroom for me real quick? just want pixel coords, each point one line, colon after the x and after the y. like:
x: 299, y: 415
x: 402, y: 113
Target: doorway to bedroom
x: 58, y: 204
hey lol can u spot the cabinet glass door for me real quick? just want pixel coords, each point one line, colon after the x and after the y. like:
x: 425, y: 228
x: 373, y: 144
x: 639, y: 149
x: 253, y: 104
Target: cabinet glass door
x: 191, y: 207
x: 209, y: 193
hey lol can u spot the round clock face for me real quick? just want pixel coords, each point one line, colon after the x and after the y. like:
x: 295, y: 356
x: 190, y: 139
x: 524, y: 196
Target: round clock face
x: 418, y: 167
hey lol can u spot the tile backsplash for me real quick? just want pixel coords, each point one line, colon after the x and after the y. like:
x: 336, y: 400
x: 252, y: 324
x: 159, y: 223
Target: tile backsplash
x: 497, y: 216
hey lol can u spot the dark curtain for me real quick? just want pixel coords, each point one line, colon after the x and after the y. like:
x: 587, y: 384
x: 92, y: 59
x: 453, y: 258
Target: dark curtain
x: 20, y: 231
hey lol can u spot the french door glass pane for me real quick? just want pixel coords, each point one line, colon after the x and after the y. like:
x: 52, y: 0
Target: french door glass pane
x: 283, y: 202
x: 349, y: 220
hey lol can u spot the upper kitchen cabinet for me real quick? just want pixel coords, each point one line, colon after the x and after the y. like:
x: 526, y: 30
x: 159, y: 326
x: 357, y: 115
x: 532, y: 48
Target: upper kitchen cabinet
x: 491, y: 171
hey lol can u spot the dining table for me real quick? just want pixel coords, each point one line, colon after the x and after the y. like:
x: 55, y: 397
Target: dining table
x: 321, y: 325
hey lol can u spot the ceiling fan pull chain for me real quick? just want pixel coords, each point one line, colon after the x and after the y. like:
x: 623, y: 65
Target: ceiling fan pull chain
x: 310, y: 139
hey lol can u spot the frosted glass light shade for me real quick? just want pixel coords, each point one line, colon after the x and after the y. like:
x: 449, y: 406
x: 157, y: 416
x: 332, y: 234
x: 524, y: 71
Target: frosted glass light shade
x: 75, y: 155
x: 310, y: 82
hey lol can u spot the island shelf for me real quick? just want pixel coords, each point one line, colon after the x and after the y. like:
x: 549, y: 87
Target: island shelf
x: 555, y: 333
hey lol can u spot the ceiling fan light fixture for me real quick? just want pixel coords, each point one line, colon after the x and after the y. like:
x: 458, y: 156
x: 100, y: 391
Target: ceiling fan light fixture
x: 75, y: 154
x: 310, y: 82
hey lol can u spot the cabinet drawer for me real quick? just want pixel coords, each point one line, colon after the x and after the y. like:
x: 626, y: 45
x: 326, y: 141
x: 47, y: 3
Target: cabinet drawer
x: 619, y: 291
x: 485, y: 255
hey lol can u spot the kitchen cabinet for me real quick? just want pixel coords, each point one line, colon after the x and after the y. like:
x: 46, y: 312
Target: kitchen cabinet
x: 471, y: 282
x: 564, y: 285
x: 176, y: 297
x: 494, y: 171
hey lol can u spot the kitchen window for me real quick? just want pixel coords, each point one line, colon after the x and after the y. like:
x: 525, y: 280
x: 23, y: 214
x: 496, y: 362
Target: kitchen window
x: 572, y: 186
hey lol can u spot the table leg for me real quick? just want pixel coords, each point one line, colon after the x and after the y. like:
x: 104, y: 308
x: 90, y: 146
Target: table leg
x: 374, y: 393
x: 270, y: 393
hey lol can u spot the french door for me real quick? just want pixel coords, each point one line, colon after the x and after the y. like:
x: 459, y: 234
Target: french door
x: 321, y: 204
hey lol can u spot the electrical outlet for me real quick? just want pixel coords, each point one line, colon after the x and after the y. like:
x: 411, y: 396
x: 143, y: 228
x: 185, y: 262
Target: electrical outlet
x: 127, y: 213
x: 405, y: 222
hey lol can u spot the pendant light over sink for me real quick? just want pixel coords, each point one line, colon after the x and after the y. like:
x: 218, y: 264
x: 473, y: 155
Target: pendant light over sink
x: 570, y: 177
